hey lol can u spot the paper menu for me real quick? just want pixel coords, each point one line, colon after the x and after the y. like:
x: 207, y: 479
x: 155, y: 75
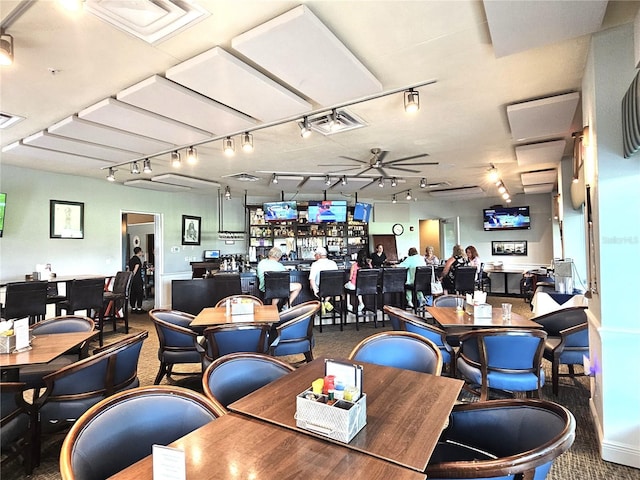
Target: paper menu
x: 21, y: 331
x: 348, y: 373
x: 168, y: 463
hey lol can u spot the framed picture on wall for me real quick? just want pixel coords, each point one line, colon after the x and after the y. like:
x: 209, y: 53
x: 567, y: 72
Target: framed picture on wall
x: 510, y: 247
x: 190, y: 230
x: 66, y: 219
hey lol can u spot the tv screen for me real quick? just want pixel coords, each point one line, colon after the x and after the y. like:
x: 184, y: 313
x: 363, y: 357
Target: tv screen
x: 211, y: 254
x: 362, y: 212
x: 327, y: 211
x: 280, y: 211
x: 3, y: 203
x: 506, y: 218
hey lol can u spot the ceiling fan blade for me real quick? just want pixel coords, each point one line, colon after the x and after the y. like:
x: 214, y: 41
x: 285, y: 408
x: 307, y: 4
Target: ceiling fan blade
x: 403, y: 169
x: 412, y: 164
x: 333, y: 165
x: 383, y: 172
x: 408, y: 158
x: 381, y: 155
x: 353, y: 159
x: 344, y: 170
x: 363, y: 171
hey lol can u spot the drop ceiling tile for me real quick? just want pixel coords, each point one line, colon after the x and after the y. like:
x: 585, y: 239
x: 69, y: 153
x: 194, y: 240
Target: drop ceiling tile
x: 300, y: 50
x: 546, y: 117
x: 539, y: 177
x: 185, y: 181
x: 149, y: 185
x: 132, y: 119
x: 219, y: 75
x: 77, y: 147
x: 164, y: 97
x: 74, y: 127
x: 538, y: 153
x: 543, y: 188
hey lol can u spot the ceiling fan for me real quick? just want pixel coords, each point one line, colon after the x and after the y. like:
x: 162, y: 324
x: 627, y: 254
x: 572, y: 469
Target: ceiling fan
x: 376, y: 162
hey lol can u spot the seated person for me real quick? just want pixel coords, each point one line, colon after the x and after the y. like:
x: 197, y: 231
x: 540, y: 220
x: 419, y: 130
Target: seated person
x: 361, y: 262
x: 456, y: 260
x: 272, y: 264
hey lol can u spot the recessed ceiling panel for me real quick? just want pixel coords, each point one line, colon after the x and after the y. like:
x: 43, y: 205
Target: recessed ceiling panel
x: 546, y: 117
x: 539, y: 177
x: 76, y: 147
x: 224, y: 78
x: 167, y: 98
x: 132, y: 119
x: 74, y: 127
x: 299, y: 49
x: 519, y: 26
x: 458, y: 192
x: 543, y: 188
x: 149, y: 185
x: 42, y: 159
x: 185, y: 181
x: 537, y: 153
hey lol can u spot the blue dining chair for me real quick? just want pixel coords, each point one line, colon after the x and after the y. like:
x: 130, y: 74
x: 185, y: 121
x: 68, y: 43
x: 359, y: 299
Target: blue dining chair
x: 502, y: 440
x: 295, y: 336
x: 507, y: 359
x: 17, y: 425
x: 231, y: 338
x: 400, y: 350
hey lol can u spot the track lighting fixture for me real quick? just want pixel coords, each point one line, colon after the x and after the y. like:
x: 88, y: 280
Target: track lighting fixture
x: 394, y: 199
x: 111, y: 176
x: 394, y: 182
x: 146, y: 166
x: 229, y: 146
x: 192, y: 155
x: 411, y: 101
x: 493, y: 173
x: 227, y: 193
x: 502, y: 189
x: 344, y: 180
x: 274, y: 179
x: 423, y: 182
x: 6, y: 48
x: 333, y: 120
x: 71, y: 5
x: 176, y: 162
x: 135, y: 168
x: 327, y: 180
x: 409, y: 197
x: 305, y: 127
x: 381, y: 182
x: 247, y: 142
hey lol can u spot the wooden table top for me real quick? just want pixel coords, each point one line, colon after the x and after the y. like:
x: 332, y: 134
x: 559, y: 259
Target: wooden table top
x: 218, y: 316
x: 450, y: 317
x: 406, y: 410
x: 235, y: 446
x: 45, y: 348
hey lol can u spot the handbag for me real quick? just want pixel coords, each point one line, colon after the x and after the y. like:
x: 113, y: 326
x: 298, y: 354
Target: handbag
x: 436, y: 285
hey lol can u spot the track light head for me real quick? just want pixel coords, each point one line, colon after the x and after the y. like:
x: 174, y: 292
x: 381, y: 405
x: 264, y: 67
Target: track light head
x: 344, y: 180
x: 111, y: 176
x: 394, y: 199
x: 327, y: 180
x: 229, y: 146
x: 192, y: 155
x: 6, y: 49
x: 146, y: 168
x: 334, y: 122
x: 176, y: 162
x: 394, y: 182
x: 423, y: 182
x: 135, y: 168
x: 409, y: 196
x: 411, y: 101
x: 227, y: 193
x: 381, y: 182
x: 305, y: 128
x: 247, y: 142
x: 493, y: 173
x: 274, y: 179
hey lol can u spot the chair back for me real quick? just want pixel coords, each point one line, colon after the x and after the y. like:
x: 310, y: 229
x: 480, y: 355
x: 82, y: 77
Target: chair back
x: 233, y: 376
x: 86, y: 294
x: 446, y: 300
x: 224, y: 285
x: 367, y: 281
x: 331, y: 283
x: 296, y: 335
x: 400, y: 350
x: 175, y: 317
x: 465, y: 279
x: 502, y: 438
x: 393, y: 280
x: 394, y: 316
x: 231, y: 298
x: 122, y: 429
x: 16, y: 426
x: 232, y: 338
x: 64, y: 324
x: 276, y: 285
x: 125, y: 368
x: 554, y: 322
x: 25, y: 299
x: 422, y: 280
x: 122, y: 283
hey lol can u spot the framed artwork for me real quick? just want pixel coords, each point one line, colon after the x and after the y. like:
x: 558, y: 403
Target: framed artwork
x: 190, y: 230
x: 511, y: 247
x: 66, y: 219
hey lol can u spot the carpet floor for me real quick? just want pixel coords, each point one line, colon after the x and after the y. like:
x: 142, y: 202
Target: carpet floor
x: 581, y: 462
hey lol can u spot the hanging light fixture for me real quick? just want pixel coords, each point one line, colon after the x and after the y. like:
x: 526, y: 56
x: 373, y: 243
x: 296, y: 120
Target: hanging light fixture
x: 411, y: 101
x: 394, y: 182
x: 6, y: 48
x: 423, y: 182
x: 228, y: 146
x: 409, y: 195
x: 381, y: 182
x: 135, y: 168
x: 146, y: 166
x: 192, y: 155
x: 227, y: 192
x: 274, y: 179
x: 305, y: 127
x: 111, y: 176
x: 394, y: 199
x: 247, y: 142
x: 327, y: 180
x: 344, y: 180
x: 176, y: 162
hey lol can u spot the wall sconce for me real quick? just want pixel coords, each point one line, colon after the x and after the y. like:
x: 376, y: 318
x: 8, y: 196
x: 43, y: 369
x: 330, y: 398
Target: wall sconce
x: 411, y: 101
x: 247, y: 142
x: 146, y: 166
x: 176, y: 162
x: 135, y: 168
x: 229, y: 146
x: 227, y: 193
x: 111, y: 176
x: 6, y: 48
x: 192, y: 155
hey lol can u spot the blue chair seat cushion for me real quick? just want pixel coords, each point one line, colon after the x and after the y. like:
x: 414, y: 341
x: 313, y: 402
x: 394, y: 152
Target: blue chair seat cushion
x: 291, y: 348
x: 499, y: 380
x: 569, y: 357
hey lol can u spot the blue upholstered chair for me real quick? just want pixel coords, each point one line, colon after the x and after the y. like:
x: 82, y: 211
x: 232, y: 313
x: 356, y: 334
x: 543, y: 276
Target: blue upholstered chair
x: 178, y: 343
x: 446, y: 300
x: 413, y: 323
x: 17, y: 427
x: 295, y: 335
x: 122, y: 429
x: 400, y: 350
x: 233, y: 376
x: 567, y: 340
x: 502, y: 440
x: 254, y: 300
x: 231, y: 338
x: 506, y: 359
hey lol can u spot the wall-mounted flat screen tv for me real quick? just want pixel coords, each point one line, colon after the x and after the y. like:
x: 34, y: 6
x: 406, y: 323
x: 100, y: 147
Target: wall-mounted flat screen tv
x: 362, y: 212
x: 327, y: 211
x: 280, y: 211
x: 3, y: 204
x: 506, y: 218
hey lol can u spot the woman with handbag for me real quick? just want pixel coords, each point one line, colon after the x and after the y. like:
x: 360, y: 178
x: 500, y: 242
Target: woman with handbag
x: 456, y: 260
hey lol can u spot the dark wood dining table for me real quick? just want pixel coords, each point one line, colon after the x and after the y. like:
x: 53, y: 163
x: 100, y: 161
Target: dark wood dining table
x: 218, y: 316
x: 449, y: 317
x: 406, y: 410
x: 237, y: 446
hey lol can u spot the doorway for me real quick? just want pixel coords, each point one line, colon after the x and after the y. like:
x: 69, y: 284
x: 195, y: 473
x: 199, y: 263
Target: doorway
x: 442, y: 234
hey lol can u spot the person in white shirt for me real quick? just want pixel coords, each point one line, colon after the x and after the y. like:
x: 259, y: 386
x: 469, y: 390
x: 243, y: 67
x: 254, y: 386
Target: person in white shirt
x: 322, y: 263
x: 272, y: 264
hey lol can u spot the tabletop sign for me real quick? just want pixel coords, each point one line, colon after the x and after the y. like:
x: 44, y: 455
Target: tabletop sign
x: 21, y: 331
x: 169, y: 463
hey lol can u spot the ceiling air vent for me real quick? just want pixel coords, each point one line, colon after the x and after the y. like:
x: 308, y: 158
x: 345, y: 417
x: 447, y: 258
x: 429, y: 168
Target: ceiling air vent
x: 344, y: 122
x: 6, y: 119
x: 242, y: 177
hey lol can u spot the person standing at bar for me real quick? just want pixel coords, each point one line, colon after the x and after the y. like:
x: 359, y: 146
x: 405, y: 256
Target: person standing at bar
x: 137, y: 287
x: 378, y: 257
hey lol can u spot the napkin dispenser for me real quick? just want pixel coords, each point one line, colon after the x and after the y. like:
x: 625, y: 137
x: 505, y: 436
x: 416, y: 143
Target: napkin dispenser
x: 483, y: 310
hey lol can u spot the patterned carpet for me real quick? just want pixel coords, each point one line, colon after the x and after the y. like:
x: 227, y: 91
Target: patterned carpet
x: 581, y: 462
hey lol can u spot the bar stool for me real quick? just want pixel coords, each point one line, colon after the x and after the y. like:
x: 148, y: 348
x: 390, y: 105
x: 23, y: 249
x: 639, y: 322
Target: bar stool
x: 86, y: 294
x: 367, y: 286
x: 276, y: 285
x: 118, y: 298
x: 393, y: 281
x: 421, y: 283
x: 332, y: 285
x: 225, y: 285
x: 25, y: 299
